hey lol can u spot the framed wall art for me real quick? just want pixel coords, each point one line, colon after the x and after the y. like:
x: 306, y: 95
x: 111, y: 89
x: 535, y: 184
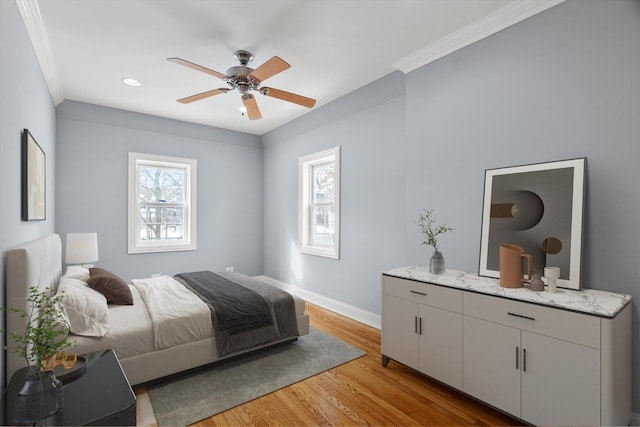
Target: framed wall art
x: 538, y: 207
x: 34, y: 168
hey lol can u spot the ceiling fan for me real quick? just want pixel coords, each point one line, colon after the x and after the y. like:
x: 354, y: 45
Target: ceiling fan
x: 247, y: 79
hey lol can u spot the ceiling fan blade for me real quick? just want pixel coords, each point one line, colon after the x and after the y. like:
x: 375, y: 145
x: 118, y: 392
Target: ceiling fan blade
x: 270, y: 68
x: 253, y: 112
x: 196, y: 67
x: 288, y: 96
x: 202, y: 95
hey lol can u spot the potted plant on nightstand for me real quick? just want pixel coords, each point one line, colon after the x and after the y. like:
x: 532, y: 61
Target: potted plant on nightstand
x: 45, y: 335
x: 431, y: 231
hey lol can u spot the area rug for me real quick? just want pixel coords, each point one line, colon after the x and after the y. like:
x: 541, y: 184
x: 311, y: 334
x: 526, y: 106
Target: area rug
x: 191, y: 398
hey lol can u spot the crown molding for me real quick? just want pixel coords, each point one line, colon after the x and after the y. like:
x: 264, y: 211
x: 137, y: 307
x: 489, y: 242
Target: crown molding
x: 30, y: 13
x: 502, y: 18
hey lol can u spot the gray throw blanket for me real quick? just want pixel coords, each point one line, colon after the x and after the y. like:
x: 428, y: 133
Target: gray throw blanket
x: 235, y: 308
x: 233, y: 334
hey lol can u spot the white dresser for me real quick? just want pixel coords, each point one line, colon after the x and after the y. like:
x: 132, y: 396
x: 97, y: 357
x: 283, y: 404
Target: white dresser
x: 559, y: 358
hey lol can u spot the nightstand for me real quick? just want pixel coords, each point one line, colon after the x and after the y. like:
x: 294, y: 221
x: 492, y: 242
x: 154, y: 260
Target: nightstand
x: 102, y: 396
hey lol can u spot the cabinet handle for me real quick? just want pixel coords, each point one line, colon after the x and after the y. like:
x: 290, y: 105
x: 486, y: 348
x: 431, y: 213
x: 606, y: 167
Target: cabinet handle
x: 524, y: 360
x: 421, y: 326
x: 517, y: 357
x: 521, y: 316
x: 415, y: 324
x: 419, y: 293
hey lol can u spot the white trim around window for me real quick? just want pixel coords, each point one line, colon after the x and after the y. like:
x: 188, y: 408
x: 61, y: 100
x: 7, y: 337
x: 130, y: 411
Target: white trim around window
x: 162, y: 209
x: 319, y: 203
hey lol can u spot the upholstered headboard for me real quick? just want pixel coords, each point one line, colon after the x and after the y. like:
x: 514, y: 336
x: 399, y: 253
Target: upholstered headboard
x: 36, y: 263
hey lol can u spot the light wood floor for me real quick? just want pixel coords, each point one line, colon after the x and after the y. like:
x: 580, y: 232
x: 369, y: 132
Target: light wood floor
x: 360, y: 392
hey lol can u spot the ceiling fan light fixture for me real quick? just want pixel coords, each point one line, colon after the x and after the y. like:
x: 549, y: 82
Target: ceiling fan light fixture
x: 131, y: 81
x: 245, y: 80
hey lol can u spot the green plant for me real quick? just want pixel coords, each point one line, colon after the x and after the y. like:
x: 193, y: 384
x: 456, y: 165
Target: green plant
x: 430, y: 230
x: 47, y: 328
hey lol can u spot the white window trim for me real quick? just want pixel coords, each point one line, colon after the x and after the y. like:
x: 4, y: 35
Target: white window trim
x: 305, y: 164
x: 135, y: 245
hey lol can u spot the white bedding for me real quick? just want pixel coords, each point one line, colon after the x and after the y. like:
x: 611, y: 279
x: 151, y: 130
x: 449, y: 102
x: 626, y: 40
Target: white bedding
x: 177, y: 315
x: 129, y: 332
x: 164, y: 314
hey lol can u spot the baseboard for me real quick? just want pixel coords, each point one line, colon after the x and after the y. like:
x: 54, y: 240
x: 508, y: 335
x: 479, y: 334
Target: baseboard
x: 347, y: 310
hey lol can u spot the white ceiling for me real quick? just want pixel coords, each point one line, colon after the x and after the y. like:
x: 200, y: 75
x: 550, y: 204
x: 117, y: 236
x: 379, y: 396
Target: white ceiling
x: 334, y: 47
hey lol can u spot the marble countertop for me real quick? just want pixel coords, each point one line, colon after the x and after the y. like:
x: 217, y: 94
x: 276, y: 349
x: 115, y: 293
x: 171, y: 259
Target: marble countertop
x: 591, y: 301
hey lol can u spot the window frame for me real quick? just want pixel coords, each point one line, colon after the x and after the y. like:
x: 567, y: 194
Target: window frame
x: 188, y: 243
x: 305, y: 203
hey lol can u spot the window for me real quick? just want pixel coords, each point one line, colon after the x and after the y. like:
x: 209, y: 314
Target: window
x: 319, y: 203
x: 162, y: 202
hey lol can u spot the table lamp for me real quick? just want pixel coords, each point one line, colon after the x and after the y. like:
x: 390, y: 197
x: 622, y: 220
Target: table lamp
x: 82, y: 248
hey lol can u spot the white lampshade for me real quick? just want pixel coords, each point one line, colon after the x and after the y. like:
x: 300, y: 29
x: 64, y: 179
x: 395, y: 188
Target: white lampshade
x: 82, y: 248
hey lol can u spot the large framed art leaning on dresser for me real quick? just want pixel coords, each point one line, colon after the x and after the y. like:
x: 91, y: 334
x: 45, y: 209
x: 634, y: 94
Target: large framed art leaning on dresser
x: 560, y: 358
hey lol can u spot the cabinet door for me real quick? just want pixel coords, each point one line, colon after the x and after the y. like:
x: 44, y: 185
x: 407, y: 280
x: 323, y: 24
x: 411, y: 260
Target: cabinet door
x: 441, y: 345
x: 560, y: 382
x: 399, y: 330
x: 491, y: 363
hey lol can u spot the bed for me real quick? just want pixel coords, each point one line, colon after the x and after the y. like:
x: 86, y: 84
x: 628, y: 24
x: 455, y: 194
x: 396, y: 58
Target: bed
x: 131, y: 329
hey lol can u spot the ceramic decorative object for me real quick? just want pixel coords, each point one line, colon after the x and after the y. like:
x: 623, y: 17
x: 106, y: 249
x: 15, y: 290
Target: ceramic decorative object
x: 511, y: 270
x: 40, y: 399
x: 552, y: 274
x: 436, y: 263
x: 536, y: 283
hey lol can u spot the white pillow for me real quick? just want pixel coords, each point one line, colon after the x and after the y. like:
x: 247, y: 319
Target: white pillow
x: 77, y: 272
x: 86, y: 310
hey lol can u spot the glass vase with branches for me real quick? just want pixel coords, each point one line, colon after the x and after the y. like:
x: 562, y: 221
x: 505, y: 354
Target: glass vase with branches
x: 430, y: 231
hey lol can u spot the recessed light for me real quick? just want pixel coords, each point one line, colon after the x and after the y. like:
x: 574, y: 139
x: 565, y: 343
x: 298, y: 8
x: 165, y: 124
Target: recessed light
x: 243, y: 109
x: 131, y: 81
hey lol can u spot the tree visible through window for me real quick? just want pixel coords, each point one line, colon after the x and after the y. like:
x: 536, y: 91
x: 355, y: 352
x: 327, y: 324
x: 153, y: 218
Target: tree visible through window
x: 323, y: 205
x: 161, y: 203
x: 319, y: 196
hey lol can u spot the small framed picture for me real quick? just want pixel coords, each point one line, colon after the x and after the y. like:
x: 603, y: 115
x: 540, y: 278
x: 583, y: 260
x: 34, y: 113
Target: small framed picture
x: 34, y: 168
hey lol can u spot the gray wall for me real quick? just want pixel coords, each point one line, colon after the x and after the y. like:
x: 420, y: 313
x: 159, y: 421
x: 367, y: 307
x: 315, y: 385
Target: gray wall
x: 369, y: 127
x: 25, y: 103
x: 562, y: 84
x: 93, y: 144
